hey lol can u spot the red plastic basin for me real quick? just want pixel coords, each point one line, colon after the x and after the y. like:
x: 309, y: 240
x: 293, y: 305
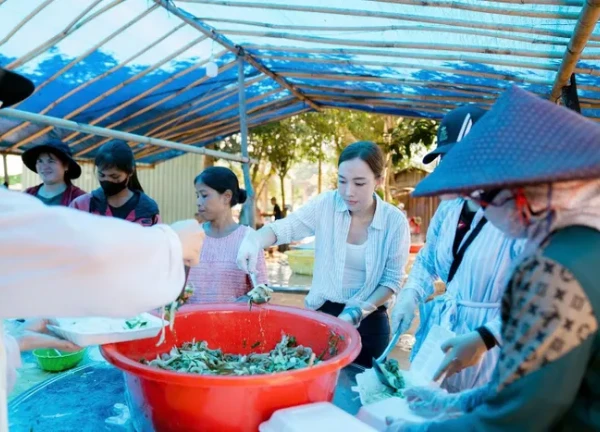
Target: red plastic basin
x: 175, y: 402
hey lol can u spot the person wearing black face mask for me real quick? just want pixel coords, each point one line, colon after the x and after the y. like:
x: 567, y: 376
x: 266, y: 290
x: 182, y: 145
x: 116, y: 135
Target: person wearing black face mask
x: 120, y: 194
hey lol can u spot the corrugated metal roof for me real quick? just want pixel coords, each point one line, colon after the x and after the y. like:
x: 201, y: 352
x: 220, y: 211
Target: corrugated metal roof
x: 139, y: 65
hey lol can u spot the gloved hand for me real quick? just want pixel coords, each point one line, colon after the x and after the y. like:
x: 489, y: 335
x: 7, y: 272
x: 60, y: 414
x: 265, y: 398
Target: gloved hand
x: 404, y: 311
x: 432, y: 402
x: 248, y: 252
x: 401, y: 425
x: 192, y: 238
x: 461, y: 352
x: 356, y: 311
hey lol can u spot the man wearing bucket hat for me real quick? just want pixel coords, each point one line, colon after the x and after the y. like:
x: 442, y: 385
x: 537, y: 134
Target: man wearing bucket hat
x: 54, y: 163
x: 472, y: 258
x: 535, y: 168
x: 56, y: 261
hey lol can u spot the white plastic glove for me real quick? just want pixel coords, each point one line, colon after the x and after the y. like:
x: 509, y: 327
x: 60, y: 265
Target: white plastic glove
x: 461, y: 352
x: 404, y: 311
x: 432, y: 402
x: 248, y: 252
x: 401, y: 425
x: 192, y: 238
x: 356, y: 311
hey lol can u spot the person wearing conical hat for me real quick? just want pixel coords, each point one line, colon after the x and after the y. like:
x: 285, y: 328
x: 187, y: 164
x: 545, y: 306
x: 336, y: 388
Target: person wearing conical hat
x: 535, y: 169
x: 473, y: 258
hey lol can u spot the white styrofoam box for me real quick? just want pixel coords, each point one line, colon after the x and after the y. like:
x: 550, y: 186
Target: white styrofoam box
x: 99, y: 331
x: 317, y: 417
x: 375, y: 414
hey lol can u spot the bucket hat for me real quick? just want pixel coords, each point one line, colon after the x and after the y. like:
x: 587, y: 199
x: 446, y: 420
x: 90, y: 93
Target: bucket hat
x: 60, y: 149
x: 523, y: 140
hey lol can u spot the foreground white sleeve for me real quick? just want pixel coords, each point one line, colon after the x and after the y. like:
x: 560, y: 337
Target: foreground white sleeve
x: 56, y: 261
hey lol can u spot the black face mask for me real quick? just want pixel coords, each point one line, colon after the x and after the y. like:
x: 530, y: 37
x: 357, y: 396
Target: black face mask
x: 112, y: 188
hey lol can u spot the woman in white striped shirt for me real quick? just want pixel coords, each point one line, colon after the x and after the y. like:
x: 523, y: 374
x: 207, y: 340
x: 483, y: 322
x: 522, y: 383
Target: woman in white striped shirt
x: 361, y: 247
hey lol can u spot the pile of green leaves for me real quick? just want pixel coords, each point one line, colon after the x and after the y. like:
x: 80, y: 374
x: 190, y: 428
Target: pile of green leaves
x: 392, y: 372
x: 198, y: 358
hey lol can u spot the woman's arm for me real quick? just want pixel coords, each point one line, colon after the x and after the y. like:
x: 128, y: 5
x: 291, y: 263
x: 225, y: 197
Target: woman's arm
x: 395, y: 266
x: 297, y: 226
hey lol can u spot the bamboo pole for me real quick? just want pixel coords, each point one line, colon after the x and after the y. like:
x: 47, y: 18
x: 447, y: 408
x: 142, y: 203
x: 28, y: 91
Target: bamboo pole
x: 71, y: 28
x: 540, y: 30
x: 146, y: 108
x: 93, y: 48
x: 207, y: 117
x: 85, y: 128
x: 92, y: 81
x: 208, y: 128
x: 420, y: 106
x: 218, y: 96
x: 149, y: 91
x: 483, y: 9
x: 235, y: 128
x: 249, y: 204
x: 574, y: 3
x: 435, y: 68
x: 111, y: 91
x: 237, y: 50
x: 483, y: 99
x: 385, y: 28
x: 5, y: 165
x: 233, y: 123
x: 273, y: 52
x: 403, y: 44
x: 590, y: 13
x: 24, y: 21
x: 347, y: 77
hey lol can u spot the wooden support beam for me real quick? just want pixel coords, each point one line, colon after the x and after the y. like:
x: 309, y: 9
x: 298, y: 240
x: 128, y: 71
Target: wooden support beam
x: 590, y: 13
x: 402, y: 44
x: 425, y: 18
x: 77, y: 23
x: 112, y: 90
x: 238, y: 50
x: 94, y: 130
x: 520, y: 12
x: 87, y: 83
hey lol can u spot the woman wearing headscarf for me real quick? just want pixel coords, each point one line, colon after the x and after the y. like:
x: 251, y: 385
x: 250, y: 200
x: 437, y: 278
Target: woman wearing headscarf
x: 535, y: 168
x: 53, y: 162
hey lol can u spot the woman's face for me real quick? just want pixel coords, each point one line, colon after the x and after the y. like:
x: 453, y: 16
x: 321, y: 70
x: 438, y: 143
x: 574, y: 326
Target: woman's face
x: 356, y: 184
x: 113, y: 175
x: 212, y: 204
x: 50, y: 169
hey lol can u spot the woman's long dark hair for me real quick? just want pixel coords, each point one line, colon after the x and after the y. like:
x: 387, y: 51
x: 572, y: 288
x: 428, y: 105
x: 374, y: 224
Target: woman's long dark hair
x: 118, y: 154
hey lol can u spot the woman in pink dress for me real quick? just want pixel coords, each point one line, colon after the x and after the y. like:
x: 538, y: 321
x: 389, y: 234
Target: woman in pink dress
x: 217, y: 279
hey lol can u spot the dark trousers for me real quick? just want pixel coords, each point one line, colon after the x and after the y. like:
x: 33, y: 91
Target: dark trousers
x: 374, y: 332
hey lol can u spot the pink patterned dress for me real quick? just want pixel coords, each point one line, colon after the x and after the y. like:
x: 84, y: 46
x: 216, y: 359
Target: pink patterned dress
x: 217, y: 278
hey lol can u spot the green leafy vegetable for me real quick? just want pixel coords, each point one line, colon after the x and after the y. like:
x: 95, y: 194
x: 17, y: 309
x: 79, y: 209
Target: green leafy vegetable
x: 197, y: 357
x: 136, y: 323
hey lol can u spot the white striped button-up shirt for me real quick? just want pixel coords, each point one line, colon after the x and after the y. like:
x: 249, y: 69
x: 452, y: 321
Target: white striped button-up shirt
x: 328, y: 219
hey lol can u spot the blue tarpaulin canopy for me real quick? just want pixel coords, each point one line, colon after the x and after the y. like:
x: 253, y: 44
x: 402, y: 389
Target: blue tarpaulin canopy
x: 140, y: 65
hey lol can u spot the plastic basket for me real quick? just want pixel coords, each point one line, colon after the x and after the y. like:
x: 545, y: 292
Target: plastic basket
x: 301, y: 261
